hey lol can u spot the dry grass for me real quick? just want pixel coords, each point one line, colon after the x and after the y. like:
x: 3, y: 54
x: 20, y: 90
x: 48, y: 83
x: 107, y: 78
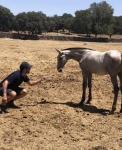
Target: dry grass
x: 55, y: 124
x: 116, y: 36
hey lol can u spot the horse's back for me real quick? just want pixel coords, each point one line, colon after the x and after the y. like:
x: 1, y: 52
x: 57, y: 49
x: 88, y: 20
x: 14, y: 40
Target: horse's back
x: 114, y: 60
x: 114, y: 57
x: 101, y: 62
x: 114, y: 54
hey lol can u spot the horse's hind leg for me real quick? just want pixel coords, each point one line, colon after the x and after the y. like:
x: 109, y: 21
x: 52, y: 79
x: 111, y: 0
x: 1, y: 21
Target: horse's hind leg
x: 120, y: 78
x: 116, y: 90
x: 85, y: 78
x: 89, y: 86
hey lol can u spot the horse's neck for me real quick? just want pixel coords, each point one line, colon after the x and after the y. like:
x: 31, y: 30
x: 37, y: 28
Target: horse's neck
x: 74, y: 55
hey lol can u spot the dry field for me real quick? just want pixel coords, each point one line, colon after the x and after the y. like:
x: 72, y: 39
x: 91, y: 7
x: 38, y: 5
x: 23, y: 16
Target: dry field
x: 47, y: 118
x: 116, y: 36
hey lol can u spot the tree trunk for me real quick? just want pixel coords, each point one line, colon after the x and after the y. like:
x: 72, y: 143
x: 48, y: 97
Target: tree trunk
x: 95, y: 35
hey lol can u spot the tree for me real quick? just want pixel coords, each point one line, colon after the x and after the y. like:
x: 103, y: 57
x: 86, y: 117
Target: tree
x: 43, y: 24
x: 6, y: 19
x: 50, y: 24
x: 82, y: 22
x: 36, y: 22
x: 109, y: 30
x: 59, y: 22
x: 66, y: 20
x: 21, y: 22
x: 57, y: 19
x: 102, y: 17
x: 33, y: 22
x: 118, y: 25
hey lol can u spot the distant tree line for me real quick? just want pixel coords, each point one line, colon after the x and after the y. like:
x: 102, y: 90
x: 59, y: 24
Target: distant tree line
x: 98, y: 19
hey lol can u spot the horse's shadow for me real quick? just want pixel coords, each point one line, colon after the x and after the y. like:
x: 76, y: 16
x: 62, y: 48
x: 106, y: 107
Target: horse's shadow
x: 85, y: 107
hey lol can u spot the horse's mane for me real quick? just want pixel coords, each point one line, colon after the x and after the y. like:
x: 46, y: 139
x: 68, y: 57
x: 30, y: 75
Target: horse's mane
x: 80, y: 50
x: 77, y: 48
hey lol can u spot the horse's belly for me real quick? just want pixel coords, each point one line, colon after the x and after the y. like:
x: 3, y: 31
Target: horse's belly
x: 98, y: 69
x: 99, y: 72
x: 94, y: 65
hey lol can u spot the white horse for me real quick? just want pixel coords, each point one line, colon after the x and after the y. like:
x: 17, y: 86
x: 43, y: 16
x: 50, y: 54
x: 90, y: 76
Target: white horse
x: 91, y: 61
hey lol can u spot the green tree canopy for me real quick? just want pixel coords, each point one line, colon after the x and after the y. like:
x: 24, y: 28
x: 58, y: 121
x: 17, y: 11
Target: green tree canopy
x: 6, y: 19
x: 21, y: 22
x: 83, y: 21
x: 102, y: 17
x: 33, y: 22
x: 118, y: 25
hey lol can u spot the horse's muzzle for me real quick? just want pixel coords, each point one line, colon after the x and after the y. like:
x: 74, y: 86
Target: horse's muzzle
x: 60, y: 70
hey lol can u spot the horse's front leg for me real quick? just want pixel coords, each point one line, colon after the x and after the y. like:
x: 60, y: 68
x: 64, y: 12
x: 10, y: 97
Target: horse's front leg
x: 116, y: 90
x: 84, y: 85
x: 89, y: 86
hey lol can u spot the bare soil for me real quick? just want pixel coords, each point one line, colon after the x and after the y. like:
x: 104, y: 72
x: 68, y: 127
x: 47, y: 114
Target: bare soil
x: 48, y: 118
x: 67, y: 33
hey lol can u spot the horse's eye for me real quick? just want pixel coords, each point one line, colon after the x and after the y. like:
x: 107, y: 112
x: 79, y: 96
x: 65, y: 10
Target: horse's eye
x: 60, y: 58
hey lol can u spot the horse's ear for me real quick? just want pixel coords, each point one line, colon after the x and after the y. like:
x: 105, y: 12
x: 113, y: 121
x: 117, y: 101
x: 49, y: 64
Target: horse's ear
x: 59, y: 51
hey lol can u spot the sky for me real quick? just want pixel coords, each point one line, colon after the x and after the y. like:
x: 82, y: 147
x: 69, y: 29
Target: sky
x: 59, y: 7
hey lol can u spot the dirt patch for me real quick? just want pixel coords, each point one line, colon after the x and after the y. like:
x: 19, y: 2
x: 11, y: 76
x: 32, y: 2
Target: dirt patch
x: 48, y: 118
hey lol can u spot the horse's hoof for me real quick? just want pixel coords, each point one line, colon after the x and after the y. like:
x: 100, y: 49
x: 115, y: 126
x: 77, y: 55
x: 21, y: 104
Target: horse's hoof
x: 111, y: 112
x: 121, y: 111
x: 80, y: 104
x: 88, y: 102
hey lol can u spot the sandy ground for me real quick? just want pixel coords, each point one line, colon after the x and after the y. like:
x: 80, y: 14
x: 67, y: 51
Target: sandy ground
x: 47, y: 118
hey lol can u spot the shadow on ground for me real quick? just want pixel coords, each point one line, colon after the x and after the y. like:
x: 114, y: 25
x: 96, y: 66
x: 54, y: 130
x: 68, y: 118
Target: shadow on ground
x: 85, y: 107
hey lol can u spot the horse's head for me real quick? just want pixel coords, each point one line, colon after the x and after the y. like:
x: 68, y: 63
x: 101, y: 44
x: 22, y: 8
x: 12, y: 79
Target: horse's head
x: 61, y: 60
